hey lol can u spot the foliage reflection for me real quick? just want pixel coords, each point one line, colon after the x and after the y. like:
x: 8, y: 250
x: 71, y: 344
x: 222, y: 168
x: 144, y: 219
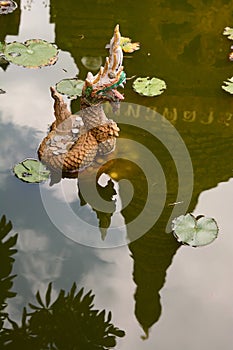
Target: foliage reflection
x: 69, y: 322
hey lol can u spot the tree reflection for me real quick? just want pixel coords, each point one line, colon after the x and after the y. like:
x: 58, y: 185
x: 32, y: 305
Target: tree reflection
x: 6, y: 265
x: 69, y: 322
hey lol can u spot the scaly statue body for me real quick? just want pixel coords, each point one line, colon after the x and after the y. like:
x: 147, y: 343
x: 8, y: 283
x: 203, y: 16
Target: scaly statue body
x: 74, y: 141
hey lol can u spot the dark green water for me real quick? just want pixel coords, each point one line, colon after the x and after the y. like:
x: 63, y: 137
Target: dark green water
x: 174, y: 296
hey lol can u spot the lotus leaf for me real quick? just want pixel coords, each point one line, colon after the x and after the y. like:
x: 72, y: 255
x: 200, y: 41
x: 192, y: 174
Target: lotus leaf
x: 33, y: 53
x: 128, y: 46
x: 228, y: 85
x: 7, y: 6
x: 70, y: 87
x: 193, y: 231
x: 149, y: 87
x: 229, y: 32
x: 31, y: 170
x: 91, y: 62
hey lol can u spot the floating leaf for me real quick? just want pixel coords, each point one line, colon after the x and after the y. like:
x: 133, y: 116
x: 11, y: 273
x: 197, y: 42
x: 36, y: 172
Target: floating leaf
x: 91, y: 62
x: 229, y: 32
x: 31, y: 170
x: 70, y: 87
x: 195, y: 231
x: 128, y: 46
x: 228, y: 85
x: 7, y: 6
x: 33, y: 53
x: 149, y: 87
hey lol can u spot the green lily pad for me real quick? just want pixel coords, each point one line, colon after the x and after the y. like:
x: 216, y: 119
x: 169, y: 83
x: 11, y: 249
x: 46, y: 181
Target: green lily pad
x: 31, y: 170
x: 193, y: 231
x: 229, y: 32
x: 228, y: 85
x: 33, y: 53
x: 149, y: 87
x: 70, y: 87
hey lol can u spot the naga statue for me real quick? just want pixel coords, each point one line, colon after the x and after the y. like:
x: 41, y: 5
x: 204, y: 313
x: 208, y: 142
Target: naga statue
x: 74, y: 141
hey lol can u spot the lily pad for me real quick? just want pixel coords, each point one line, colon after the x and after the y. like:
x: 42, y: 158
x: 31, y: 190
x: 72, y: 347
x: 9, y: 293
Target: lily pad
x: 70, y: 87
x: 193, y: 231
x: 31, y: 170
x: 127, y: 45
x: 33, y: 53
x: 229, y: 32
x: 149, y: 87
x: 7, y: 6
x: 91, y: 62
x: 228, y: 85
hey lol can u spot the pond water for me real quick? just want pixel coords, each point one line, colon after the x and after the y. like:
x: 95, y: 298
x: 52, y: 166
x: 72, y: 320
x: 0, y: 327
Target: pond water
x: 161, y: 293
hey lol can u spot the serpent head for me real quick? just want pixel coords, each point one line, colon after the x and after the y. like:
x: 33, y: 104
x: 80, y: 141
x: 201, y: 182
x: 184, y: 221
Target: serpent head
x: 103, y: 86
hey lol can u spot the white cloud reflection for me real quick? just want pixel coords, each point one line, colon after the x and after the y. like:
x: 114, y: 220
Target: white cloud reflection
x: 114, y: 288
x: 37, y: 260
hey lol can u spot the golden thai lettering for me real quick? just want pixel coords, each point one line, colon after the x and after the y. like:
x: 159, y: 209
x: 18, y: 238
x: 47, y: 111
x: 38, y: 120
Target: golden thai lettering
x: 170, y: 114
x: 189, y: 116
x: 210, y: 118
x: 133, y: 111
